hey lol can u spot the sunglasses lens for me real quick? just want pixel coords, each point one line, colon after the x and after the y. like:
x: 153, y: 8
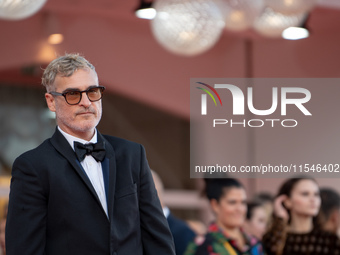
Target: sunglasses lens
x: 94, y: 94
x: 73, y: 97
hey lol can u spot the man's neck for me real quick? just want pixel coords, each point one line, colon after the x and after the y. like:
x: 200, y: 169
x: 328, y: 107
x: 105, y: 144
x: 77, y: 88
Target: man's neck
x: 86, y: 136
x: 71, y: 139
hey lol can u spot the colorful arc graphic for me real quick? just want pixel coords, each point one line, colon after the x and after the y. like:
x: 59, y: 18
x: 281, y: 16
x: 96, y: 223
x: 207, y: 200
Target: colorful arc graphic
x: 208, y: 86
x: 206, y: 91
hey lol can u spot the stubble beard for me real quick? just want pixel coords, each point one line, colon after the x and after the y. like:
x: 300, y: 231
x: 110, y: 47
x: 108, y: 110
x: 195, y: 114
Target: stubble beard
x: 78, y: 123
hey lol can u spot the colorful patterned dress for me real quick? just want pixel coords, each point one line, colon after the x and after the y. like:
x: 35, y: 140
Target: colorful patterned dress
x: 217, y: 242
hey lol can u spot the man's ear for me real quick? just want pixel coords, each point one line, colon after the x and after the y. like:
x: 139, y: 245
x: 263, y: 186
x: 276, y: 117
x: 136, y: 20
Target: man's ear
x: 50, y: 102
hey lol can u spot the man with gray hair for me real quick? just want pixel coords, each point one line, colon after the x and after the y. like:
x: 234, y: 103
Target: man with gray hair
x: 81, y: 192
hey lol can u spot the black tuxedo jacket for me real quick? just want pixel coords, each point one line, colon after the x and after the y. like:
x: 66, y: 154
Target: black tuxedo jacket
x: 54, y: 209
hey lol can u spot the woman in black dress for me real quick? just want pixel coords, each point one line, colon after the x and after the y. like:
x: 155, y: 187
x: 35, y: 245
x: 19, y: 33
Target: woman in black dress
x: 294, y: 230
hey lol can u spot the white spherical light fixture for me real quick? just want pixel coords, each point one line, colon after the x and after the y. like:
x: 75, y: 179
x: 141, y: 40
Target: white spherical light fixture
x: 240, y: 14
x: 187, y: 27
x: 272, y: 24
x: 19, y: 9
x: 291, y: 7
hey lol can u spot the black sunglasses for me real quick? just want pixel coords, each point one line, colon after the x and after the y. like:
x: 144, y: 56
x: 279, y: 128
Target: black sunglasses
x: 74, y: 97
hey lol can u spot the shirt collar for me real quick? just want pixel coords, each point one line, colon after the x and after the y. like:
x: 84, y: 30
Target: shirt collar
x: 71, y: 139
x: 166, y: 211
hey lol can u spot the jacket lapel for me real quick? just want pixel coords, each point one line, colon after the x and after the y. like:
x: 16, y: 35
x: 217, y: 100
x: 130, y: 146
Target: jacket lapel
x: 63, y: 147
x: 109, y: 173
x: 106, y: 175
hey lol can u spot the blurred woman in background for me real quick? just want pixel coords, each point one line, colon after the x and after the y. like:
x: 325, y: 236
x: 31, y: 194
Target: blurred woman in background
x: 227, y: 199
x: 256, y: 220
x: 294, y: 230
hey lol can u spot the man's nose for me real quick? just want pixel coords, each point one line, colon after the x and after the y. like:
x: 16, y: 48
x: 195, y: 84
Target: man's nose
x: 85, y: 101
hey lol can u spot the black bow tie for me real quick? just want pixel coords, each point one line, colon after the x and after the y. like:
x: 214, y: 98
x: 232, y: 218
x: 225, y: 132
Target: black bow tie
x: 96, y: 150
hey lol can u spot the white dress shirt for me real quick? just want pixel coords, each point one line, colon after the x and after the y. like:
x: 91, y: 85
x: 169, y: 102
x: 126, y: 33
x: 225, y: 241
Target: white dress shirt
x: 92, y: 168
x: 166, y: 211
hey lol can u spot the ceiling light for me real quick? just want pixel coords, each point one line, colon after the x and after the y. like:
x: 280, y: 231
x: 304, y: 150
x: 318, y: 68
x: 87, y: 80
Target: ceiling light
x: 290, y: 7
x: 55, y: 39
x: 240, y: 14
x: 272, y: 24
x: 16, y: 10
x: 295, y: 33
x: 188, y: 27
x: 145, y: 11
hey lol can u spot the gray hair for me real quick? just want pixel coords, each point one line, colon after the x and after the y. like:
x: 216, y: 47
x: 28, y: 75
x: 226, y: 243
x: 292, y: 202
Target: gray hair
x: 64, y: 66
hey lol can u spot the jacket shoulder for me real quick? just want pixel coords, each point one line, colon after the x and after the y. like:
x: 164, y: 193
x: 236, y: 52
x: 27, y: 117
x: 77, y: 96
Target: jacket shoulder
x: 44, y: 148
x: 121, y: 143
